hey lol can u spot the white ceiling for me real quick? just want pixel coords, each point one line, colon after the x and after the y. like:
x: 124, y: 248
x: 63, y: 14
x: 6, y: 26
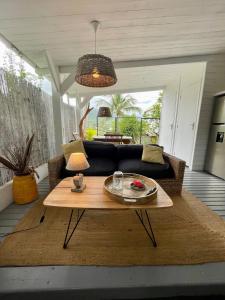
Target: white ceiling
x: 130, y: 29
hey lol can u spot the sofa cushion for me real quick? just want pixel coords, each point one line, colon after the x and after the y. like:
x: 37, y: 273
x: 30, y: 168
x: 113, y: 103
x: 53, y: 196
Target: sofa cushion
x: 152, y: 154
x: 100, y: 149
x: 99, y: 166
x: 152, y: 170
x: 73, y: 147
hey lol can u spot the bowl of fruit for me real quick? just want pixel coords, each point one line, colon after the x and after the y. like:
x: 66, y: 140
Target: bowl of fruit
x: 136, y: 189
x: 137, y: 185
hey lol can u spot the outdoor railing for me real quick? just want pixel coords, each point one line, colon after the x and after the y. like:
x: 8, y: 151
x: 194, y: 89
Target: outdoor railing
x: 142, y: 130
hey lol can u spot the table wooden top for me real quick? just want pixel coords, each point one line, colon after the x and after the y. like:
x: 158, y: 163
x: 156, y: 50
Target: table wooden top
x: 112, y: 137
x: 95, y: 197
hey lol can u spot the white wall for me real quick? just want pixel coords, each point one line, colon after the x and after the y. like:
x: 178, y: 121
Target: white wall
x: 214, y: 82
x: 167, y: 121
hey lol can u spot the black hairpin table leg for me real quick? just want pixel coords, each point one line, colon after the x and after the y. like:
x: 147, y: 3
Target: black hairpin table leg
x: 79, y: 216
x: 147, y: 225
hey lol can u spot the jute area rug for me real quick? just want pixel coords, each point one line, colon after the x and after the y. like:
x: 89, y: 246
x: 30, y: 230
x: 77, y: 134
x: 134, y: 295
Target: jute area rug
x: 187, y: 233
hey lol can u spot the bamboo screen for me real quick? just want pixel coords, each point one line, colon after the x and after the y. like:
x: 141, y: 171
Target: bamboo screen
x: 25, y: 109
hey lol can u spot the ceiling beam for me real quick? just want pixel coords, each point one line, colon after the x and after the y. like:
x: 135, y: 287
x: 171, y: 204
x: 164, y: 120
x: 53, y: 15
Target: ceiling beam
x: 68, y: 82
x: 119, y: 91
x: 54, y: 71
x: 69, y: 69
x: 143, y: 63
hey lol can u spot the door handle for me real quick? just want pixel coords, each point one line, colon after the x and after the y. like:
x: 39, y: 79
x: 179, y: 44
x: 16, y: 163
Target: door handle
x: 193, y: 126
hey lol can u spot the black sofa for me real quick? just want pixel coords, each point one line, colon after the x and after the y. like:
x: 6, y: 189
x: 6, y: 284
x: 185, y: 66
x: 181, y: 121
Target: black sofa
x: 106, y: 158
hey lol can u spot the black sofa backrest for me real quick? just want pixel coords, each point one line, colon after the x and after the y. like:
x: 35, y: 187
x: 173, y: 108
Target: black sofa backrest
x: 129, y: 151
x: 100, y: 149
x: 114, y: 152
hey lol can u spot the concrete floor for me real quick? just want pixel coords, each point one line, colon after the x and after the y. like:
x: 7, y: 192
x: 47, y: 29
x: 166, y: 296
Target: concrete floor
x: 79, y: 282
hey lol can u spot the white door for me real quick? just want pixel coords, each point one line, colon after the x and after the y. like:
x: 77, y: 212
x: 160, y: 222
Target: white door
x: 168, y: 116
x: 186, y: 121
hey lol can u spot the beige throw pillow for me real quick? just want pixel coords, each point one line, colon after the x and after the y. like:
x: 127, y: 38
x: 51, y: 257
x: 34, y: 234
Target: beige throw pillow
x: 152, y: 154
x: 73, y: 147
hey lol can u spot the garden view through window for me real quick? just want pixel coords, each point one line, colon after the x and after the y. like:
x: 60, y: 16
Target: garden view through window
x: 136, y: 115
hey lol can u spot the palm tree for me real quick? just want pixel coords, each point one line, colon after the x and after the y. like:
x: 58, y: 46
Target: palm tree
x: 155, y: 110
x: 120, y: 105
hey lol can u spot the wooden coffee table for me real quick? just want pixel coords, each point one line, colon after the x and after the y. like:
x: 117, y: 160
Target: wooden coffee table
x: 95, y: 197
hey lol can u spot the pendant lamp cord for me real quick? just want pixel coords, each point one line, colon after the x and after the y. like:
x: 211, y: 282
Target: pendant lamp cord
x: 95, y: 38
x: 95, y: 25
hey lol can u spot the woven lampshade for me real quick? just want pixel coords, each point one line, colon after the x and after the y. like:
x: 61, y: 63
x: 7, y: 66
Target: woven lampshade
x: 104, y: 112
x: 95, y: 70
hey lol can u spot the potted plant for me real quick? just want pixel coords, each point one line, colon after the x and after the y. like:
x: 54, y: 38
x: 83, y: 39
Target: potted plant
x: 17, y: 159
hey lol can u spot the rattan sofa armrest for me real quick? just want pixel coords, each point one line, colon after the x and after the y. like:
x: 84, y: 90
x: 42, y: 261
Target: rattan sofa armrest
x: 55, y: 166
x: 178, y: 166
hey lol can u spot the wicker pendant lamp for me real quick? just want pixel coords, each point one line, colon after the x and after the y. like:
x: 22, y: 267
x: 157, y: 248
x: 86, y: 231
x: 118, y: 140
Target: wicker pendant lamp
x: 104, y: 112
x: 95, y: 70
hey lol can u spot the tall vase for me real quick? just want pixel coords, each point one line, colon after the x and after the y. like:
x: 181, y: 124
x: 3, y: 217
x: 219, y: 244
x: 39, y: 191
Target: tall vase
x: 24, y: 189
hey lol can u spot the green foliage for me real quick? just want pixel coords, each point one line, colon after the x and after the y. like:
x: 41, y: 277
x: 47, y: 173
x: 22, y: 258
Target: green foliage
x: 15, y: 69
x: 106, y: 125
x: 130, y: 126
x: 152, y: 126
x: 155, y: 110
x: 120, y: 105
x: 22, y: 73
x: 90, y: 133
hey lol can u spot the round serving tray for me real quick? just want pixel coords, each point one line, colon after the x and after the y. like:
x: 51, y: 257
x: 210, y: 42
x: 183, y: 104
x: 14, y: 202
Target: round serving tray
x: 129, y: 196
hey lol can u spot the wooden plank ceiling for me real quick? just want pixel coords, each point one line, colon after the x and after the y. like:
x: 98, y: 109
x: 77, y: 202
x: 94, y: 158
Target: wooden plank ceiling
x: 130, y: 29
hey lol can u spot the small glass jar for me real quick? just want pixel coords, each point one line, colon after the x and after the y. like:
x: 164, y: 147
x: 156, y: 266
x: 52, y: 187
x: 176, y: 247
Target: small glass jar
x: 118, y: 180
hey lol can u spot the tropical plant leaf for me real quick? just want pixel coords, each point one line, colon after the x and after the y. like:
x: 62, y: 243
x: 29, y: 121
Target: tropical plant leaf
x: 27, y: 152
x: 17, y: 157
x: 103, y: 102
x: 32, y: 170
x: 11, y: 156
x: 7, y: 163
x: 120, y: 105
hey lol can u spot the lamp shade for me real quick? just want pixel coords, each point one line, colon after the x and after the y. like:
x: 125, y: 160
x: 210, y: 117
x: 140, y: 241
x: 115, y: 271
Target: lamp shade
x: 95, y: 70
x: 104, y: 112
x: 77, y: 162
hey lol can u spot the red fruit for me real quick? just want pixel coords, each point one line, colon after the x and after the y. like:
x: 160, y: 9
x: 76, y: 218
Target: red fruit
x: 138, y: 183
